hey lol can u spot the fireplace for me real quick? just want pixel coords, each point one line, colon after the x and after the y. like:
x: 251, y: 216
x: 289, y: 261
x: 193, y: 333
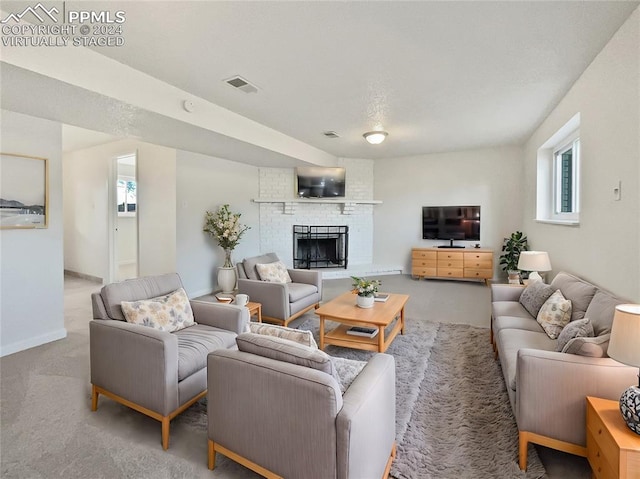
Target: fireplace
x: 320, y: 246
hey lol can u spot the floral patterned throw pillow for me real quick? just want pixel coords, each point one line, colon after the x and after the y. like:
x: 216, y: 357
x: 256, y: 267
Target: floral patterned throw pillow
x: 555, y: 314
x: 274, y: 272
x: 170, y: 312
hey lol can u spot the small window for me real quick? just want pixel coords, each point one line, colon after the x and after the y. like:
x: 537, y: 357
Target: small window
x: 558, y: 176
x: 566, y: 163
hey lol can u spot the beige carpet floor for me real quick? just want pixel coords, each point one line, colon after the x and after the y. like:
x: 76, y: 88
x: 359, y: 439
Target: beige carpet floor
x: 47, y: 428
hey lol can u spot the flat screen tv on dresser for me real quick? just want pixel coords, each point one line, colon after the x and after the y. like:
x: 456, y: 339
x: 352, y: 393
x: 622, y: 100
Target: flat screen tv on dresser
x: 451, y: 223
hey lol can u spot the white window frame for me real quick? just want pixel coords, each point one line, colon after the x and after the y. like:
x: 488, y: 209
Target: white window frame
x: 549, y: 176
x: 571, y: 143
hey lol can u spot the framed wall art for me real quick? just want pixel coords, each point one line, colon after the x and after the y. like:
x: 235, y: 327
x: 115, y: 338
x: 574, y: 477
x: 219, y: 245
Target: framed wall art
x: 24, y: 195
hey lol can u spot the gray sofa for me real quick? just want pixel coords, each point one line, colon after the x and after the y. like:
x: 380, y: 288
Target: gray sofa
x: 285, y: 417
x: 157, y: 373
x: 547, y: 389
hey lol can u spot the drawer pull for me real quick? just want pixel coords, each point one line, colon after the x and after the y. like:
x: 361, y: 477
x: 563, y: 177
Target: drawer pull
x: 598, y: 454
x: 600, y: 431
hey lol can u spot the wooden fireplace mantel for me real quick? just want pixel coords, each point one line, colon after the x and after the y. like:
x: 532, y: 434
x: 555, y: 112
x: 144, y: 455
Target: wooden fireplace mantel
x: 289, y: 205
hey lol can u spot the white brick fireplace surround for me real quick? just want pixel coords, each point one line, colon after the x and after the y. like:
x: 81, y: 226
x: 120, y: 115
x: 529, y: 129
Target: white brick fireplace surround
x: 278, y: 218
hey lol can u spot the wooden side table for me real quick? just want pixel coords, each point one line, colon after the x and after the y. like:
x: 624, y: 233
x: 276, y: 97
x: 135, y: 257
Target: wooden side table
x: 255, y: 308
x: 613, y: 449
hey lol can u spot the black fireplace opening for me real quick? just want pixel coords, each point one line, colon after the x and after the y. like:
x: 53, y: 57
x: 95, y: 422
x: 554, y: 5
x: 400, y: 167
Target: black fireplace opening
x: 320, y: 246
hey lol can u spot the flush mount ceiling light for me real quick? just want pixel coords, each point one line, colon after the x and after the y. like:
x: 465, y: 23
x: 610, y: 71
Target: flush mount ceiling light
x: 375, y: 137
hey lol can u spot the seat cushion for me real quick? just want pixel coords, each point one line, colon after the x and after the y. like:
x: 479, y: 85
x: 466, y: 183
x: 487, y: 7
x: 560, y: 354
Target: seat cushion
x: 510, y: 341
x: 509, y: 308
x: 297, y: 291
x: 514, y: 322
x: 196, y: 342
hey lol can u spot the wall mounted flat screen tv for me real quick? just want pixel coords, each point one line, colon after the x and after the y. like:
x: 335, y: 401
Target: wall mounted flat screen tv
x: 320, y: 182
x: 451, y: 223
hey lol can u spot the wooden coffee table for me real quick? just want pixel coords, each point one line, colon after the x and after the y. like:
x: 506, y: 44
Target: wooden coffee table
x: 343, y: 310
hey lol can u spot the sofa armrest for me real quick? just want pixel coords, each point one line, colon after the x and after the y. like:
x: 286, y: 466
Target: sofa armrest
x: 506, y: 292
x: 137, y: 363
x: 307, y: 277
x: 551, y: 391
x: 218, y: 315
x: 274, y: 297
x: 99, y: 309
x: 366, y: 424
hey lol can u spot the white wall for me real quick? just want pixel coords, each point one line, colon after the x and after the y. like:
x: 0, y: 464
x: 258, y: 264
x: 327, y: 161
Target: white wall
x: 605, y: 248
x: 86, y: 195
x: 204, y: 183
x: 31, y: 276
x: 490, y: 178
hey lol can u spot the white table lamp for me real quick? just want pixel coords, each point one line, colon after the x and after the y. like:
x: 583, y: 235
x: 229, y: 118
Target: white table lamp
x: 624, y: 346
x: 534, y: 261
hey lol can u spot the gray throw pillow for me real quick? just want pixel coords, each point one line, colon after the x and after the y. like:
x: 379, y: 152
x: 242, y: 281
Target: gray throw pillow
x: 582, y: 328
x: 534, y: 296
x: 589, y: 347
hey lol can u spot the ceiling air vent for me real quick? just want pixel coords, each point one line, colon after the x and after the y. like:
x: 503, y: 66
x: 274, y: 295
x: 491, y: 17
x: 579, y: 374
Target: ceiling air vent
x: 330, y: 134
x: 241, y: 84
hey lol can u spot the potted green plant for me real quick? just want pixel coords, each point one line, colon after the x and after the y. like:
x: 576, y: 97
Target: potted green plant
x: 512, y: 247
x: 366, y: 290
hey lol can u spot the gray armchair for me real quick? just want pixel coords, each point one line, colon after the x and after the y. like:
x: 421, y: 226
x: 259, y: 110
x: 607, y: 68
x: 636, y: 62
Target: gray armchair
x: 154, y: 372
x: 281, y: 302
x: 288, y: 420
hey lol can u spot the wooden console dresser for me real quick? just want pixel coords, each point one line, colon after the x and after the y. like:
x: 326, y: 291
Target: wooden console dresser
x: 461, y: 263
x: 613, y: 449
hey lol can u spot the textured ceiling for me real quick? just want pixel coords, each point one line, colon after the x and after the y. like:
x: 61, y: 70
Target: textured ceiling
x: 438, y: 76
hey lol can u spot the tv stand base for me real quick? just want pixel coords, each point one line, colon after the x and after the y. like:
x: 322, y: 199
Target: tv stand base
x: 452, y: 263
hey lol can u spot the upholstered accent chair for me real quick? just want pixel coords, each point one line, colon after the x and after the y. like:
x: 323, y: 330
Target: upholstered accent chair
x: 286, y: 418
x: 281, y: 302
x: 155, y: 372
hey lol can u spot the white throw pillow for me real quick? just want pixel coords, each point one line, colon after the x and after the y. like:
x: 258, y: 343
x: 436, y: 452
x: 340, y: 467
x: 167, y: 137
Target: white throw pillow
x: 170, y: 312
x: 555, y: 314
x: 274, y: 272
x: 297, y: 335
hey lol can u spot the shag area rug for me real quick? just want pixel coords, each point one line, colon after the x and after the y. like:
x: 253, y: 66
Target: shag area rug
x: 453, y: 416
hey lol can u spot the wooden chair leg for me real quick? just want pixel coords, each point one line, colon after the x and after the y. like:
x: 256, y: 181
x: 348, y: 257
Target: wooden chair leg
x: 212, y: 455
x: 523, y: 450
x: 94, y: 398
x: 165, y: 432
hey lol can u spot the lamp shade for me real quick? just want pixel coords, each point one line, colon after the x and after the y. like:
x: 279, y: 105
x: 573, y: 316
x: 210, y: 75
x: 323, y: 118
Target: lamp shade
x: 534, y: 261
x: 624, y: 344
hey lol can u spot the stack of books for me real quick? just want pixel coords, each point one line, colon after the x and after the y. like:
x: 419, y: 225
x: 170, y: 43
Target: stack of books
x: 362, y: 331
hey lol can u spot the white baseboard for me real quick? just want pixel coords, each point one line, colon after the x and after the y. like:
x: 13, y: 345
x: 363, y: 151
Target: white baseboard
x: 32, y: 342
